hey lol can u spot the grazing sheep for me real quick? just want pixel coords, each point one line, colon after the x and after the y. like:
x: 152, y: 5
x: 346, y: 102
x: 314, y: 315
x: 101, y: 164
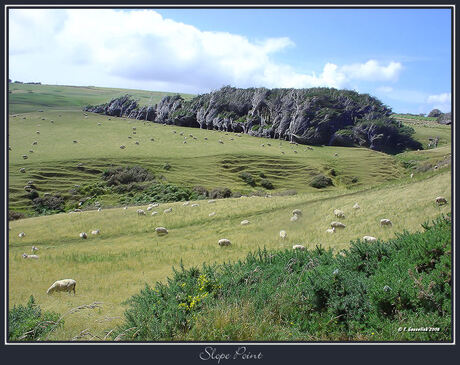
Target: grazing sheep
x: 22, y: 234
x: 161, y: 231
x: 283, y: 234
x: 154, y: 213
x: 385, y: 222
x: 155, y: 205
x: 38, y: 132
x: 169, y: 210
x: 330, y: 230
x: 136, y: 142
x: 96, y: 231
x: 245, y: 222
x: 34, y: 143
x: 25, y: 157
x: 186, y: 203
x: 212, y: 214
x: 100, y: 123
x: 297, y: 212
x: 152, y: 139
x: 181, y: 133
x: 195, y: 205
x: 83, y: 235
x: 298, y: 247
x: 75, y: 141
x: 122, y: 147
x: 134, y: 128
x: 220, y: 141
x: 336, y: 154
x: 140, y: 212
x: 34, y: 249
x: 99, y: 209
x: 224, y: 242
x: 211, y: 201
x: 26, y: 256
x: 337, y: 225
x: 149, y: 208
x: 205, y: 138
x: 23, y: 170
x: 440, y: 200
x: 338, y: 213
x: 185, y: 142
x: 67, y: 285
x: 294, y: 218
x: 369, y: 239
x: 356, y: 206
x: 31, y: 151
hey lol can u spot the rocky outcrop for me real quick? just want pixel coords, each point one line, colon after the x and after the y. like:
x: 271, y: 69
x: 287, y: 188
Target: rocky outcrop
x: 319, y: 116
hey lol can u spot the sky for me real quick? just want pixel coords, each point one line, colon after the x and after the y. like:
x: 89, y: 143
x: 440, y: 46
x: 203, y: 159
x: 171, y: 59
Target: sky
x: 400, y: 56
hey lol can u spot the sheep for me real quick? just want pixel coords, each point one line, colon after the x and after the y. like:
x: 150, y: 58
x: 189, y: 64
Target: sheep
x: 75, y: 141
x: 136, y: 142
x: 181, y: 133
x: 155, y: 205
x: 337, y: 225
x: 34, y: 143
x: 195, y: 205
x: 122, y: 147
x: 336, y: 154
x: 294, y: 218
x: 124, y: 208
x: 245, y: 222
x: 212, y: 214
x: 83, y: 235
x: 26, y: 256
x: 298, y: 247
x: 34, y: 249
x: 100, y: 123
x: 338, y: 213
x: 440, y: 200
x: 25, y: 157
x: 330, y: 230
x: 154, y: 213
x: 152, y: 139
x: 96, y: 231
x: 356, y: 206
x: 185, y: 142
x: 22, y: 234
x: 134, y: 128
x: 99, y: 209
x: 224, y: 242
x: 385, y: 222
x: 297, y: 212
x: 185, y: 204
x: 220, y: 141
x: 67, y: 285
x: 211, y: 201
x: 174, y: 132
x: 161, y: 231
x: 31, y: 151
x: 38, y: 132
x: 205, y: 138
x: 23, y: 170
x: 149, y: 208
x: 283, y: 234
x: 369, y: 239
x: 140, y: 212
x: 169, y: 210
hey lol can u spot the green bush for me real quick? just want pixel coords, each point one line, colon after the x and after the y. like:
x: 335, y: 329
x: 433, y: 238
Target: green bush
x: 161, y: 193
x: 126, y: 175
x: 219, y: 193
x: 28, y: 323
x: 248, y: 178
x: 12, y: 215
x: 49, y: 204
x: 267, y: 184
x: 320, y: 181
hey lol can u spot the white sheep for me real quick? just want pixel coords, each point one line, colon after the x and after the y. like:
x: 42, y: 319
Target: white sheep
x: 330, y: 230
x: 337, y: 225
x: 195, y: 205
x: 99, y: 209
x: 26, y: 256
x: 369, y: 239
x: 140, y: 212
x: 67, y: 285
x: 220, y: 141
x: 224, y: 242
x: 161, y: 231
x: 212, y: 214
x: 283, y: 234
x: 385, y: 222
x: 83, y: 235
x: 22, y: 170
x: 294, y: 218
x: 356, y: 206
x: 185, y: 204
x: 211, y: 201
x: 169, y: 210
x: 149, y: 208
x: 339, y: 213
x: 298, y: 247
x: 96, y: 231
x: 22, y: 234
x: 245, y: 222
x: 297, y: 212
x: 122, y: 147
x: 155, y: 205
x: 154, y: 213
x: 34, y: 249
x: 440, y: 200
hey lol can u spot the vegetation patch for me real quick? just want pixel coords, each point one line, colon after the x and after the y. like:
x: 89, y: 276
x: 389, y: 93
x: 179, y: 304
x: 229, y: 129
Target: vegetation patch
x: 49, y: 204
x: 248, y: 178
x: 126, y: 175
x: 267, y: 184
x: 320, y: 181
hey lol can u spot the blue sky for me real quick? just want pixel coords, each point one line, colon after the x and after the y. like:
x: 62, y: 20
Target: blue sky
x: 402, y: 56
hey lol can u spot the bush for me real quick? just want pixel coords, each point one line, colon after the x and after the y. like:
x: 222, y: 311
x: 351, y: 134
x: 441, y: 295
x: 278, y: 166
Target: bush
x: 49, y: 204
x: 12, y: 215
x: 320, y: 181
x: 126, y: 175
x: 167, y: 166
x: 201, y: 191
x: 247, y: 178
x: 220, y: 193
x: 28, y: 323
x: 161, y: 193
x: 266, y: 184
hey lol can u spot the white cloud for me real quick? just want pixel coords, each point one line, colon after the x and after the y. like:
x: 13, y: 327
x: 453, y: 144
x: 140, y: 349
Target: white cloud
x: 384, y: 89
x: 142, y: 49
x: 443, y: 98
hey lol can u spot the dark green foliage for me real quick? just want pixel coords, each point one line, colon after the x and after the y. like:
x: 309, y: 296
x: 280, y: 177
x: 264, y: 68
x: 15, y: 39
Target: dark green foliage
x: 248, y: 178
x: 262, y: 175
x: 12, y: 215
x: 161, y: 193
x: 366, y: 293
x: 126, y: 175
x: 167, y: 166
x: 49, y: 204
x: 267, y: 184
x: 320, y: 181
x: 28, y: 323
x: 219, y: 193
x: 201, y: 191
x: 32, y: 194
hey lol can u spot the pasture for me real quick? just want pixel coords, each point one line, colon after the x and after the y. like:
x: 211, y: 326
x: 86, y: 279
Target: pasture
x: 114, y: 265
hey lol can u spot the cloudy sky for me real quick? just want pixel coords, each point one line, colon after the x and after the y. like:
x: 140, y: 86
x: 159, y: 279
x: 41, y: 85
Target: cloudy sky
x: 402, y: 56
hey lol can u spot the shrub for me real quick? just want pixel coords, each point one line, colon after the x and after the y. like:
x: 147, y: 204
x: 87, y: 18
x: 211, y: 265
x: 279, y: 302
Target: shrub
x: 28, y: 323
x: 49, y: 204
x: 160, y: 193
x: 220, y: 193
x: 247, y: 178
x: 262, y: 175
x: 267, y: 184
x: 167, y: 166
x: 201, y: 191
x: 320, y: 181
x: 126, y: 175
x: 12, y: 215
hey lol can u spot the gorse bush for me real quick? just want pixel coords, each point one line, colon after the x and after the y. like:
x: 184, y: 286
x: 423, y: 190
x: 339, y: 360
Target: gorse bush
x: 28, y: 323
x: 161, y: 193
x: 126, y: 175
x: 320, y: 181
x: 49, y: 204
x: 364, y: 293
x: 248, y: 178
x: 267, y: 184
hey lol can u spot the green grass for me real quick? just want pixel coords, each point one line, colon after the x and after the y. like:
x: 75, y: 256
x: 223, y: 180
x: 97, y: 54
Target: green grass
x: 116, y: 264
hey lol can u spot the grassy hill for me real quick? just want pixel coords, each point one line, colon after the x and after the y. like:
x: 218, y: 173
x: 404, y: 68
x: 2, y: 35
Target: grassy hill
x: 113, y: 266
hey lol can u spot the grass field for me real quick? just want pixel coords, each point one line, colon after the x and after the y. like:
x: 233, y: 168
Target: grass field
x: 111, y: 267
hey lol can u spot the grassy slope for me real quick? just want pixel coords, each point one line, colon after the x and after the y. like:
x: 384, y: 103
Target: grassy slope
x: 115, y: 265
